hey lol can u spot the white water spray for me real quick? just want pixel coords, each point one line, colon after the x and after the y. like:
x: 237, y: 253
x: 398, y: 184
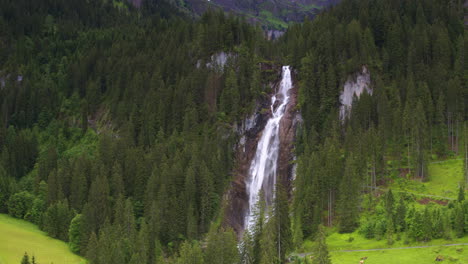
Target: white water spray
x: 263, y: 168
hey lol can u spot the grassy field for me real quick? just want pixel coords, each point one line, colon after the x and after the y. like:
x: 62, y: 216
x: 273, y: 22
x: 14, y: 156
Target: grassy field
x: 17, y: 236
x: 391, y: 254
x: 338, y: 242
x: 454, y: 255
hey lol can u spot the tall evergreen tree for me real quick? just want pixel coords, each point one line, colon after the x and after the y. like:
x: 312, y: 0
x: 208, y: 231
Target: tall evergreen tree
x: 282, y: 223
x: 321, y: 255
x: 349, y: 200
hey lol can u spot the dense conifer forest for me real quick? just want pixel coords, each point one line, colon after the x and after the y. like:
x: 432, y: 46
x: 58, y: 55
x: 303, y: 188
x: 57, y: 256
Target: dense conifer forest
x: 117, y: 130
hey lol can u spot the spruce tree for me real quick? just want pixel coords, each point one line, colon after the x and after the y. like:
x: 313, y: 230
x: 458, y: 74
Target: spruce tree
x: 246, y: 248
x: 25, y: 259
x: 75, y: 235
x: 92, y: 250
x: 190, y: 253
x: 349, y: 198
x: 321, y: 255
x: 268, y: 247
x: 459, y: 221
x: 461, y: 193
x: 282, y: 223
x: 389, y: 203
x: 98, y: 207
x: 221, y: 247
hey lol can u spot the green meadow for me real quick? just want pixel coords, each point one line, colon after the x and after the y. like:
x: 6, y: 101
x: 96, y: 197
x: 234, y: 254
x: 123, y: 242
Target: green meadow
x: 381, y: 253
x: 18, y: 236
x: 453, y: 254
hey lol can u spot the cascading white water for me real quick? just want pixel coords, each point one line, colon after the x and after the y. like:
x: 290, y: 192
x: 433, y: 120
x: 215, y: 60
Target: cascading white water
x: 264, y: 165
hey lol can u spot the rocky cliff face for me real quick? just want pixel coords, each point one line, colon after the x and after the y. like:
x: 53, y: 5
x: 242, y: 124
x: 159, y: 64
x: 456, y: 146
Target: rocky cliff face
x: 250, y: 131
x: 354, y: 87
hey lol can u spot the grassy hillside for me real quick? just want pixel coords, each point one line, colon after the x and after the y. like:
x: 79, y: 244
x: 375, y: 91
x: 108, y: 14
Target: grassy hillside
x: 18, y: 236
x: 444, y: 179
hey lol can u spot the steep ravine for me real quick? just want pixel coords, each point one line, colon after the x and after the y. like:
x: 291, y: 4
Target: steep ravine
x: 250, y: 132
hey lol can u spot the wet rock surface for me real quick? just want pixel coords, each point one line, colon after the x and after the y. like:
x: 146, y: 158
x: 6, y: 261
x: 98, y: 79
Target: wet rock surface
x: 250, y: 131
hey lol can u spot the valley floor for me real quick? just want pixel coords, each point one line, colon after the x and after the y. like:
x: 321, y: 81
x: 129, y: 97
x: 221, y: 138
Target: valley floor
x: 451, y: 254
x: 378, y: 252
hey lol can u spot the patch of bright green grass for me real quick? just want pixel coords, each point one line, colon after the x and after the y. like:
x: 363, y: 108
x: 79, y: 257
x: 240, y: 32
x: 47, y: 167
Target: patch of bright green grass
x: 18, y: 236
x: 444, y: 177
x: 310, y: 7
x: 272, y: 20
x: 338, y: 242
x: 454, y: 255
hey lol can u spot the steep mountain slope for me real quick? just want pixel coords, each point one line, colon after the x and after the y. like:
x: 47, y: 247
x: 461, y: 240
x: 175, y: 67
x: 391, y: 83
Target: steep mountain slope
x: 271, y: 14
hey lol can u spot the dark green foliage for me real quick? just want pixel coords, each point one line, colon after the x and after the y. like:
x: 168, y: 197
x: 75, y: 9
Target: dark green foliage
x: 25, y: 259
x: 97, y: 210
x: 20, y: 203
x: 461, y: 193
x: 348, y: 207
x: 118, y: 118
x: 414, y: 113
x: 92, y: 251
x: 8, y: 186
x: 56, y: 220
x: 282, y: 223
x: 221, y: 247
x: 190, y: 253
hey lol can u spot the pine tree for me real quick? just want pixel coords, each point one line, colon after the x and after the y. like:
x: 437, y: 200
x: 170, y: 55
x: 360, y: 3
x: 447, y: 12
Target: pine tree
x: 461, y: 193
x: 190, y: 253
x: 75, y: 235
x: 257, y: 228
x: 282, y: 223
x: 221, y: 247
x: 389, y: 204
x: 321, y: 255
x: 268, y: 247
x: 297, y: 232
x: 349, y: 200
x: 92, y: 251
x: 78, y: 192
x: 390, y: 231
x: 25, y: 259
x: 400, y: 221
x: 246, y: 248
x: 97, y: 209
x: 459, y: 221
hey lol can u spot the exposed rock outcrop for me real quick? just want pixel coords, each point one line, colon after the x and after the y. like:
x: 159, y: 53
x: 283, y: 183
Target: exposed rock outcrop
x: 354, y: 86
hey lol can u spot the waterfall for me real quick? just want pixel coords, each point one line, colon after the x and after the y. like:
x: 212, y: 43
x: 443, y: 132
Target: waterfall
x: 263, y: 169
